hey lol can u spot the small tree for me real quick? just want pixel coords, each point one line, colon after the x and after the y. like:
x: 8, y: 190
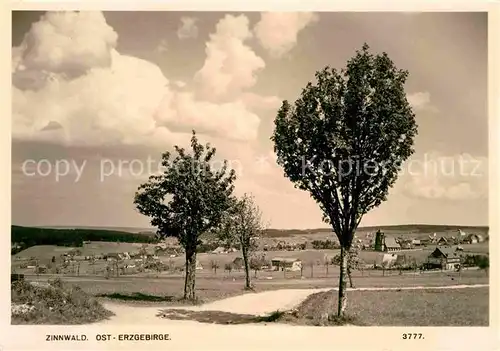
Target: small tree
x: 171, y: 265
x: 344, y: 141
x: 283, y: 268
x: 228, y: 267
x: 385, y: 265
x: 188, y: 199
x: 256, y: 264
x: 214, y: 264
x: 326, y: 261
x: 414, y: 265
x: 143, y: 252
x: 242, y: 226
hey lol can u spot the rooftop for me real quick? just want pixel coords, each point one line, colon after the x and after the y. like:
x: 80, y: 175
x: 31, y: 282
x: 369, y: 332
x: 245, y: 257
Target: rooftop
x: 391, y: 242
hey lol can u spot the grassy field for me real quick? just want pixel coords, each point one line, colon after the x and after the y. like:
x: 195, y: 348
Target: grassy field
x: 440, y: 307
x: 211, y: 287
x: 41, y: 252
x: 92, y: 248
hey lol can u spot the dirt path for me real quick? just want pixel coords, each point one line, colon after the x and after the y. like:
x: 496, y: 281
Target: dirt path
x: 251, y: 303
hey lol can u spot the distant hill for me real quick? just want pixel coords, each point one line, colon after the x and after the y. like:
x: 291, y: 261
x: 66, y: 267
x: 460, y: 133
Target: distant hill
x: 419, y: 228
x: 116, y: 229
x: 74, y: 236
x: 400, y: 229
x: 30, y: 236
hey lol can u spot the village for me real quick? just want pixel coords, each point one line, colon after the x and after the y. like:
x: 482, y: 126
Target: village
x: 375, y: 251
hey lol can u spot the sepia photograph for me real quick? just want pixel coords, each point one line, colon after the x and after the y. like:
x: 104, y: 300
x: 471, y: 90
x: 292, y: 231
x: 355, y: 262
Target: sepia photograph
x: 180, y: 168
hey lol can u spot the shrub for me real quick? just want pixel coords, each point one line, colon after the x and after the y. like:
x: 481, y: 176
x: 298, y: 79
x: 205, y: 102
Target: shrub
x: 53, y: 304
x: 324, y: 245
x: 483, y: 262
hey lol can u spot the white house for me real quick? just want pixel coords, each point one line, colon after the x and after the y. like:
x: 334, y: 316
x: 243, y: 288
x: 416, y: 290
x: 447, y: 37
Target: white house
x: 287, y: 264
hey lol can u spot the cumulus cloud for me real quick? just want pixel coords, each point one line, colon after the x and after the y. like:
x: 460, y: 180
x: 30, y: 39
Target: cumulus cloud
x: 453, y: 177
x: 69, y: 42
x: 230, y: 65
x: 421, y: 101
x: 110, y: 104
x: 188, y: 28
x: 231, y: 120
x: 278, y: 32
x: 92, y: 94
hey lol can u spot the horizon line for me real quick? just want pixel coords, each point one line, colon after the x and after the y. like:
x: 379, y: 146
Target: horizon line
x: 279, y: 229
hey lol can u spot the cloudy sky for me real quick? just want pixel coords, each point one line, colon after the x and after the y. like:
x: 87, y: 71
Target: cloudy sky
x: 97, y: 97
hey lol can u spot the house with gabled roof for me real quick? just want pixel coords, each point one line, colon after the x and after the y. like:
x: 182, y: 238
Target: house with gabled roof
x: 390, y: 244
x: 445, y: 258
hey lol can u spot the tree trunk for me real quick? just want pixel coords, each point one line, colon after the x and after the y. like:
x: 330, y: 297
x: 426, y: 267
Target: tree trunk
x: 247, y: 268
x: 189, y: 284
x: 342, y: 304
x: 350, y: 277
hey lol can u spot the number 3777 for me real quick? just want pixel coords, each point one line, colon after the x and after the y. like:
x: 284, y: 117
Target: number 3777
x: 413, y: 336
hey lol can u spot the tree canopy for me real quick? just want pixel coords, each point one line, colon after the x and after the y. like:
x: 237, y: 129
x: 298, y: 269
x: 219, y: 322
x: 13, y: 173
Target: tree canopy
x: 189, y: 197
x: 345, y: 138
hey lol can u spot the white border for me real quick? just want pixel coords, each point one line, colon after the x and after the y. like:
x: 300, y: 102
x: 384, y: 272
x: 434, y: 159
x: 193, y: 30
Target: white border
x: 274, y: 337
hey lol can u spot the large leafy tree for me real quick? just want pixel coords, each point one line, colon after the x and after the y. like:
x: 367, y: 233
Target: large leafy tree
x: 242, y: 226
x: 188, y: 199
x: 344, y: 141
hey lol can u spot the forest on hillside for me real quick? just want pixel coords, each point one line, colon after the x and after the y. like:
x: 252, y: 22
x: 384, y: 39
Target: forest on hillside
x: 25, y: 237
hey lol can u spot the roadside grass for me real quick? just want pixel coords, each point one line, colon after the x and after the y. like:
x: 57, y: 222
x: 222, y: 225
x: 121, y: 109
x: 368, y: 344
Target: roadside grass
x: 436, y: 307
x: 55, y: 303
x: 433, y: 307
